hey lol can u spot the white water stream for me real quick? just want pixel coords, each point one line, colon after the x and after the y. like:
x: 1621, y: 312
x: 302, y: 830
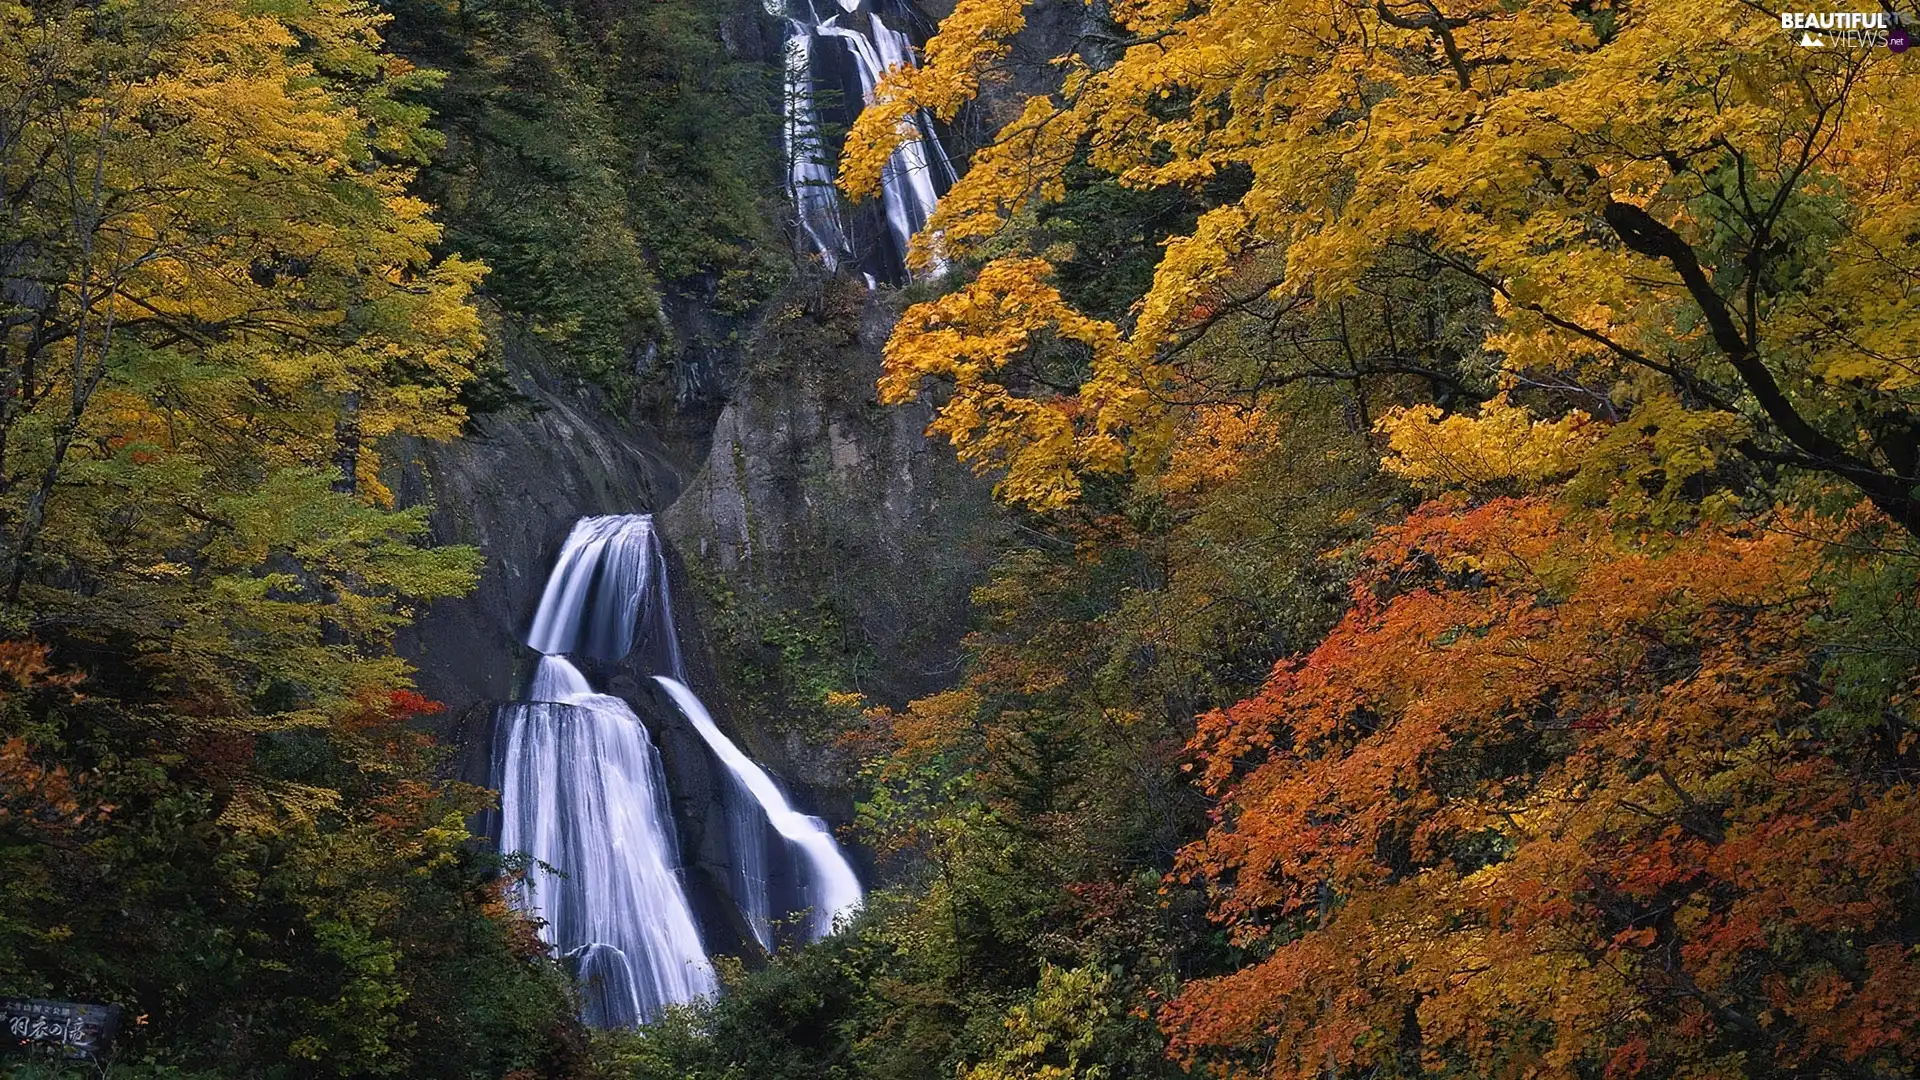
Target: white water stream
x: 584, y: 795
x: 831, y: 888
x: 582, y: 792
x: 912, y: 178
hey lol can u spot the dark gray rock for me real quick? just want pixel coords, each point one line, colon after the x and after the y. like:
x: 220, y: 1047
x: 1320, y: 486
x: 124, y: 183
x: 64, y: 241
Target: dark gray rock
x: 812, y: 497
x: 818, y: 505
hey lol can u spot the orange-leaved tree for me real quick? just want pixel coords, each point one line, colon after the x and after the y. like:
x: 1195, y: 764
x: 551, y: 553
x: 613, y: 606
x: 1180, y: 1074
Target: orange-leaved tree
x: 1562, y: 798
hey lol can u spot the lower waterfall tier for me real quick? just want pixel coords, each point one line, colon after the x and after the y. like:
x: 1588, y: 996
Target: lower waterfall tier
x: 583, y: 796
x: 582, y: 791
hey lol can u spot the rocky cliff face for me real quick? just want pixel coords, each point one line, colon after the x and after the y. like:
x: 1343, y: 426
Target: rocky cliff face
x: 817, y: 538
x: 512, y: 488
x: 830, y: 541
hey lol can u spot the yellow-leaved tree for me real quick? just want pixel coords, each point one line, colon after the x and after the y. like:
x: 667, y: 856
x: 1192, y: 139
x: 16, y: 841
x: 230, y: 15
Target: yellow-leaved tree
x: 1656, y: 202
x: 216, y: 297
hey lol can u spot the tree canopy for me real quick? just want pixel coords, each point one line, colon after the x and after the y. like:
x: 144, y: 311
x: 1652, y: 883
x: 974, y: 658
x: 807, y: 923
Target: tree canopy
x: 1656, y: 195
x: 1456, y: 611
x: 219, y: 302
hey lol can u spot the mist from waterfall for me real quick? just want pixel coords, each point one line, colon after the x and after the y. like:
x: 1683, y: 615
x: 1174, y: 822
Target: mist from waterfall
x: 913, y: 177
x: 583, y: 791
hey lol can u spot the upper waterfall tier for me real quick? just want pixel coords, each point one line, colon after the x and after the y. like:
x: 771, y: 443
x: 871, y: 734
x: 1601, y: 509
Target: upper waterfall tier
x: 593, y: 604
x: 835, y: 60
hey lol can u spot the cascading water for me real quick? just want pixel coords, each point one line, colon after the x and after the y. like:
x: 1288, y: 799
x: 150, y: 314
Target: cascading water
x: 593, y: 603
x: 809, y: 176
x: 860, y: 49
x: 583, y: 790
x: 830, y: 887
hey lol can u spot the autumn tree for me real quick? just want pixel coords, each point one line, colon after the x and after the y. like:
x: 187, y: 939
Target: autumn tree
x: 218, y: 303
x: 217, y: 298
x: 1673, y: 194
x: 1599, y: 774
x: 1590, y: 779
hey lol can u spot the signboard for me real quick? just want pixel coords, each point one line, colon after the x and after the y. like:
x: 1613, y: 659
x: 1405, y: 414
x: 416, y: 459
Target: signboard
x: 68, y: 1028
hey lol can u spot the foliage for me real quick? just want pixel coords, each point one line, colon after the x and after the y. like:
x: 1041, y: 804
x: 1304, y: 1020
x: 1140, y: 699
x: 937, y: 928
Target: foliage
x: 342, y: 928
x: 532, y: 182
x: 1504, y: 444
x: 784, y: 1024
x: 222, y: 299
x: 1644, y: 192
x: 970, y: 337
x: 1056, y: 1034
x: 1551, y: 800
x: 1600, y: 770
x: 597, y: 160
x: 217, y: 301
x: 1023, y: 818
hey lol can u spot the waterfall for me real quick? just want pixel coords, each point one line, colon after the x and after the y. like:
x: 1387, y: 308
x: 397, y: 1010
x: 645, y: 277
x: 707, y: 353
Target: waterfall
x: 912, y: 179
x: 831, y: 888
x: 592, y: 602
x: 828, y: 886
x: 927, y: 155
x: 809, y: 176
x: 583, y: 791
